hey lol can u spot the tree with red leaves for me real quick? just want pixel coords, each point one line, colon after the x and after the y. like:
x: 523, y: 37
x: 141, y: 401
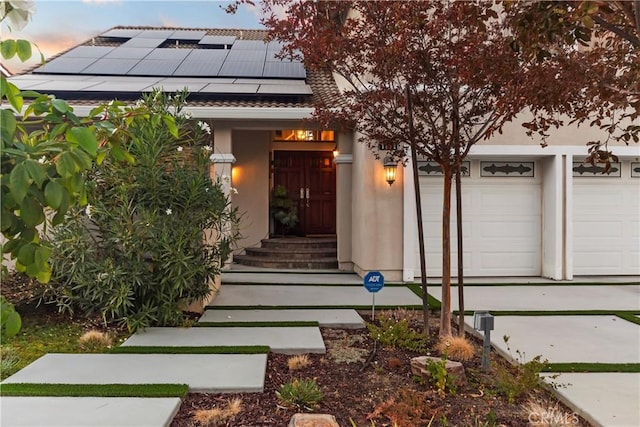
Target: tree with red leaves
x: 431, y: 77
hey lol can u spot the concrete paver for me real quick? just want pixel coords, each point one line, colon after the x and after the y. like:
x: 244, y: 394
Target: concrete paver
x: 551, y: 298
x: 285, y: 340
x: 247, y: 275
x: 603, y: 399
x: 311, y: 296
x: 567, y: 339
x: 327, y: 318
x: 87, y: 411
x: 201, y: 372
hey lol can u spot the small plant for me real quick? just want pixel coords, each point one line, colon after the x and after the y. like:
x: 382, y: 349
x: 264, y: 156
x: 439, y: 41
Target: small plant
x: 540, y: 414
x: 343, y: 351
x: 299, y: 361
x: 218, y: 416
x: 304, y: 394
x: 456, y: 348
x: 95, y: 341
x: 8, y: 358
x: 397, y: 333
x: 10, y: 321
x: 524, y: 378
x: 408, y: 408
x: 283, y: 209
x: 440, y: 378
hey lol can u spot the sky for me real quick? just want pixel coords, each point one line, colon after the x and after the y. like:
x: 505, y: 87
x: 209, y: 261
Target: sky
x: 58, y: 25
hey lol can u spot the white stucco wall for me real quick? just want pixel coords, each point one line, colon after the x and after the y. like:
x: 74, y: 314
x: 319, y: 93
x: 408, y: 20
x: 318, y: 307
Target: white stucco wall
x: 250, y: 178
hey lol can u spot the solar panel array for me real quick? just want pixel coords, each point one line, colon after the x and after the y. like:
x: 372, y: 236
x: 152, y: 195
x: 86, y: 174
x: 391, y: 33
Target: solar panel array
x: 138, y: 53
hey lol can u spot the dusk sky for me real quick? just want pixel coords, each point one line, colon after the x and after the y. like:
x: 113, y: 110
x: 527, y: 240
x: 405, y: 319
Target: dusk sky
x: 59, y: 25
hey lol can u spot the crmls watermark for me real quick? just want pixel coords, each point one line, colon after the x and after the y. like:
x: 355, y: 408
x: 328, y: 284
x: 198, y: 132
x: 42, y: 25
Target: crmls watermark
x: 553, y: 419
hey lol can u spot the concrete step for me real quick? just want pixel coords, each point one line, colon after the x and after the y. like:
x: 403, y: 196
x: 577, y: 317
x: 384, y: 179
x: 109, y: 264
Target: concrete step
x: 299, y: 242
x: 269, y: 262
x: 293, y: 254
x: 329, y: 318
x: 285, y: 340
x: 88, y: 411
x: 205, y: 373
x: 311, y: 296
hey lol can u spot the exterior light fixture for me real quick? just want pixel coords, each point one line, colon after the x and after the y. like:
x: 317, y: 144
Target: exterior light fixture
x: 390, y: 167
x: 336, y: 152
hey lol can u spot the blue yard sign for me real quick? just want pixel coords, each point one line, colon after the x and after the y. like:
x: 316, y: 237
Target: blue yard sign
x: 373, y: 281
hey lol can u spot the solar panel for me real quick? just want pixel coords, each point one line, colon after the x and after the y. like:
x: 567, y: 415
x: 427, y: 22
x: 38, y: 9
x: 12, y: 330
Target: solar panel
x: 176, y: 87
x: 249, y: 45
x: 169, y: 53
x: 285, y: 89
x: 122, y: 87
x: 207, y: 55
x: 155, y: 34
x: 155, y: 67
x: 242, y: 69
x: 246, y: 55
x: 196, y: 80
x: 143, y: 42
x: 217, y: 40
x: 275, y: 46
x: 187, y: 35
x: 111, y: 66
x: 66, y: 85
x: 290, y: 70
x: 88, y: 52
x: 129, y: 53
x: 198, y: 68
x: 26, y: 84
x: 272, y: 81
x: 66, y: 65
x: 230, y: 88
x: 121, y: 33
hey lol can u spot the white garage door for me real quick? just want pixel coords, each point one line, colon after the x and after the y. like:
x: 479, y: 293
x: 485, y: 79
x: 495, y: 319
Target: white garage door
x: 501, y: 223
x: 606, y: 222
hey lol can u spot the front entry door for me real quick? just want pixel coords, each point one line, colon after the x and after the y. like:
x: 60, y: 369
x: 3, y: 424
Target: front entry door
x: 310, y: 180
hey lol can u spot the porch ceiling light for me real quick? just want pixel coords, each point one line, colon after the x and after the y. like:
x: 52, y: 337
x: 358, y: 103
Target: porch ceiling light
x: 390, y: 167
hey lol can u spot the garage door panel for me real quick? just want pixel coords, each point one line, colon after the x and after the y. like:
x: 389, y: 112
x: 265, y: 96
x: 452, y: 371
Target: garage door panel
x: 501, y: 226
x: 606, y: 224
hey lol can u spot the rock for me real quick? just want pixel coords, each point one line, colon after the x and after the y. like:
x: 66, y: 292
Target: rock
x: 313, y: 420
x: 419, y: 367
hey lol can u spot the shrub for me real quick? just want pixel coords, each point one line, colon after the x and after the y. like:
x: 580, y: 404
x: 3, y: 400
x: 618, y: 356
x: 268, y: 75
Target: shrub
x: 95, y: 341
x: 299, y: 361
x: 218, y: 416
x: 440, y: 378
x: 524, y: 378
x: 138, y: 252
x: 343, y: 351
x: 456, y: 348
x: 8, y: 358
x: 298, y: 394
x: 408, y: 408
x: 397, y: 333
x: 10, y: 320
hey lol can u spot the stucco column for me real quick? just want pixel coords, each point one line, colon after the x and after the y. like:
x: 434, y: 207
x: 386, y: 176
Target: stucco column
x: 567, y: 252
x: 222, y: 161
x: 410, y: 269
x: 553, y: 205
x: 344, y: 184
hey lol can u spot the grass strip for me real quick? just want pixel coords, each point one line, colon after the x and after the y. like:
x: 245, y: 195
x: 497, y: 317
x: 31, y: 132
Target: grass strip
x: 592, y: 367
x: 244, y: 349
x: 283, y: 323
x: 629, y: 317
x: 556, y: 312
x: 433, y: 303
x: 95, y: 390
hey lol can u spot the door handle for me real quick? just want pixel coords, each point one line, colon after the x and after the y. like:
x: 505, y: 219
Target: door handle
x: 301, y: 193
x: 307, y: 196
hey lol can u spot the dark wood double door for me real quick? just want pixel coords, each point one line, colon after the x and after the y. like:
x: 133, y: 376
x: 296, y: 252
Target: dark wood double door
x: 310, y: 180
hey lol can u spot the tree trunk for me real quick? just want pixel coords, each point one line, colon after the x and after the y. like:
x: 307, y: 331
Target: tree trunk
x: 445, y: 310
x: 460, y: 251
x: 416, y: 187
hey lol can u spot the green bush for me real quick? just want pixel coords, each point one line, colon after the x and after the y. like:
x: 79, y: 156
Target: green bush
x: 300, y: 394
x: 440, y: 378
x: 524, y: 379
x: 137, y: 252
x: 397, y: 333
x: 10, y: 320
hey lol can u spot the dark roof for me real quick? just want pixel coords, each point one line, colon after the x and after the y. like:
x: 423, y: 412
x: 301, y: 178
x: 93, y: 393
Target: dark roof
x: 219, y: 67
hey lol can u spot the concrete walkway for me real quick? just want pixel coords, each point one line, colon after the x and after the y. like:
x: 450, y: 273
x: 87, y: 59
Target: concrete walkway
x: 326, y: 318
x: 284, y: 340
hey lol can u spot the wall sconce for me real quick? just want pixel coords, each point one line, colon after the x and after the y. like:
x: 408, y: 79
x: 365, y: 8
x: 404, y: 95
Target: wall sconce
x: 390, y: 167
x: 336, y: 152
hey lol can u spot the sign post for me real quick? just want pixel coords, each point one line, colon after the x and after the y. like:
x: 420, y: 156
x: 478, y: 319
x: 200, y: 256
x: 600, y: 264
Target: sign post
x: 373, y: 282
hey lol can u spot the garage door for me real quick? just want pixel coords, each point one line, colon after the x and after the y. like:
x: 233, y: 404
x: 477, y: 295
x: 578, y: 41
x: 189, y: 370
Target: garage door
x: 501, y: 219
x: 606, y: 220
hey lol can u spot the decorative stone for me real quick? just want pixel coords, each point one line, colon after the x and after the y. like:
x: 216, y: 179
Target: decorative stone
x: 456, y: 369
x: 313, y: 420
